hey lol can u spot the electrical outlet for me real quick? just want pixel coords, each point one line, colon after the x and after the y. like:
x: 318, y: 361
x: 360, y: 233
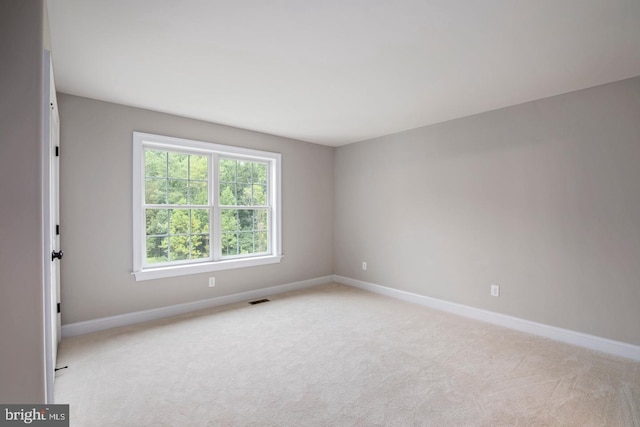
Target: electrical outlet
x: 212, y: 282
x: 495, y: 290
x: 364, y: 265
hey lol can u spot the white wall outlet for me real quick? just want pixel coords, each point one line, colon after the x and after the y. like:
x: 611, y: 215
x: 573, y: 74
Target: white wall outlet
x: 212, y: 282
x: 364, y: 265
x: 495, y: 290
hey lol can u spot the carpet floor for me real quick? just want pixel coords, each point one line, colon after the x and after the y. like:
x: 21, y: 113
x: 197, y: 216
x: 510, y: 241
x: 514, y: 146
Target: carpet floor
x: 333, y: 355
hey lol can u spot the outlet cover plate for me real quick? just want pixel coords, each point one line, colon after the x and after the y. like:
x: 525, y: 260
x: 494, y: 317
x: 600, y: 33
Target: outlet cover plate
x: 495, y: 290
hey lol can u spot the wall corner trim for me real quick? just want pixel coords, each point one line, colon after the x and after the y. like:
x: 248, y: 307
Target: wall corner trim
x: 103, y: 323
x: 592, y: 342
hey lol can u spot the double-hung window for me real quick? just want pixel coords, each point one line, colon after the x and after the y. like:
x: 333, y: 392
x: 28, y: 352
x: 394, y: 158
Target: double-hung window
x: 201, y: 207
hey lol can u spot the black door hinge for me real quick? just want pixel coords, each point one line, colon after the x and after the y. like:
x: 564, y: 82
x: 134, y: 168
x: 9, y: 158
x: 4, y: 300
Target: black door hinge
x: 57, y: 229
x: 58, y: 307
x: 57, y: 151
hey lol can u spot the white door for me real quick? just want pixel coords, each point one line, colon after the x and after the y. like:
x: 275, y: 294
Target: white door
x: 51, y: 221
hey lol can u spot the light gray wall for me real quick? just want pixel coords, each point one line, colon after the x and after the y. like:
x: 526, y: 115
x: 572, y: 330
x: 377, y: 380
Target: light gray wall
x: 542, y: 199
x: 96, y: 140
x: 21, y: 231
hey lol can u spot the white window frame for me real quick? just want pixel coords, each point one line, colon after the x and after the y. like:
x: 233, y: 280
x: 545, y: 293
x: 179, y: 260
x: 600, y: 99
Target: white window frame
x: 217, y: 263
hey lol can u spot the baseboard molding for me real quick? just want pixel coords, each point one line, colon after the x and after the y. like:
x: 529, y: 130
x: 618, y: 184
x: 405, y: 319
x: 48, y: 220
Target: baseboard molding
x: 580, y: 339
x: 103, y: 323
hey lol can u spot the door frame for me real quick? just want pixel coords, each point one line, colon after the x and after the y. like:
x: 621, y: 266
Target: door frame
x: 50, y: 213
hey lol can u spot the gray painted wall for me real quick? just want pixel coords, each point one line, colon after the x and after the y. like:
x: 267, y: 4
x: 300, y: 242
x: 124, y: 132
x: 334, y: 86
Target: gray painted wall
x: 96, y: 140
x: 21, y: 230
x: 542, y: 199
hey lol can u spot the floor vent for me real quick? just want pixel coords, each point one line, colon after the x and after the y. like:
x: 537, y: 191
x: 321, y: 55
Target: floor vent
x: 260, y: 301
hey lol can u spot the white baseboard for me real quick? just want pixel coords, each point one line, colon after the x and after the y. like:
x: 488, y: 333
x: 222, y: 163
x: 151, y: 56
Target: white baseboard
x: 95, y: 325
x: 580, y: 339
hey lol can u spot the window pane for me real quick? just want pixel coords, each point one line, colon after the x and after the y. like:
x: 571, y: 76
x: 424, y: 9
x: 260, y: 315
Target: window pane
x: 179, y: 248
x: 200, y: 246
x: 243, y: 183
x: 246, y: 242
x: 198, y: 193
x: 227, y: 170
x: 178, y: 165
x: 260, y: 173
x: 157, y: 221
x: 155, y: 163
x: 259, y: 195
x: 199, y: 167
x: 229, y: 220
x: 157, y: 249
x: 155, y: 191
x: 179, y: 221
x: 200, y: 221
x: 229, y: 244
x: 177, y: 191
x: 245, y: 220
x: 244, y: 172
x: 227, y: 194
x: 244, y: 231
x: 260, y: 220
x: 244, y: 194
x: 261, y: 242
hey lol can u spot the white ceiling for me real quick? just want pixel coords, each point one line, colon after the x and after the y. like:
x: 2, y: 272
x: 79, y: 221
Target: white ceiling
x: 338, y: 71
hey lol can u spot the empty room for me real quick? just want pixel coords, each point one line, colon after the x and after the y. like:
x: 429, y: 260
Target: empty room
x: 349, y: 213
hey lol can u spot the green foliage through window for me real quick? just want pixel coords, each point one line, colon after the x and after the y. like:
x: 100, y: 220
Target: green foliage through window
x: 180, y: 180
x: 178, y: 212
x: 243, y: 184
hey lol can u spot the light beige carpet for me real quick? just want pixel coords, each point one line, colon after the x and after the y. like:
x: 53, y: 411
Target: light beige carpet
x: 337, y: 356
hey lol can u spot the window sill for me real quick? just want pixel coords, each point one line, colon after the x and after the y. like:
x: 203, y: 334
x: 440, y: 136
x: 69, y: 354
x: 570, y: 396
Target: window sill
x: 183, y: 270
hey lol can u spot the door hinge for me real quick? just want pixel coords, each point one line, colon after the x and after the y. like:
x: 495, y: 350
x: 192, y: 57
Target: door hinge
x: 57, y: 229
x: 57, y: 151
x: 58, y: 307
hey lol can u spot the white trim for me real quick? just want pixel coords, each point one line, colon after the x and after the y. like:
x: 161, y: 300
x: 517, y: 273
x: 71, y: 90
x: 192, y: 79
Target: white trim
x: 49, y: 359
x: 203, y: 146
x: 274, y: 188
x: 95, y: 325
x: 185, y: 269
x: 579, y: 339
x: 138, y: 231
